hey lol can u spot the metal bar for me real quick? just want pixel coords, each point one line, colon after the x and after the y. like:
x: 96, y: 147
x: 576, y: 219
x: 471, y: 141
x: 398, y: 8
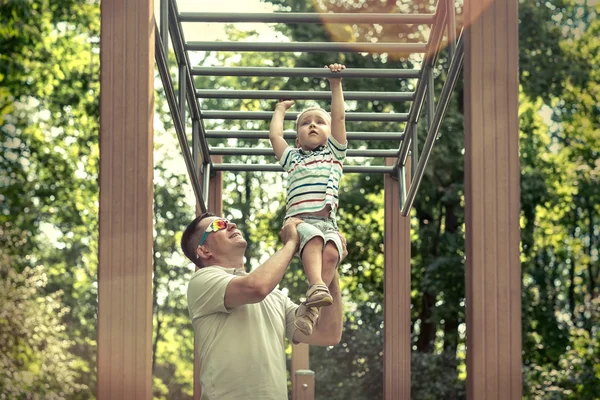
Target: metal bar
x: 368, y: 169
x: 291, y: 135
x: 301, y: 95
x: 451, y: 29
x: 305, y: 47
x: 307, y: 18
x: 163, y: 69
x: 414, y: 154
x: 266, y: 151
x: 402, y: 185
x: 432, y: 133
x: 182, y: 92
x: 206, y: 182
x: 415, y: 110
x: 164, y: 24
x: 266, y: 115
x: 182, y: 58
x: 195, y: 141
x: 430, y: 98
x: 307, y: 72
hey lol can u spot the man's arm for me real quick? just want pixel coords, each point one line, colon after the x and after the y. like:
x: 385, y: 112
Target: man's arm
x: 338, y: 112
x: 276, y: 128
x: 329, y: 326
x: 257, y: 285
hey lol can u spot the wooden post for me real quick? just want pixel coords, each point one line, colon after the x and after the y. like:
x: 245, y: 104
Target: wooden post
x: 215, y: 206
x: 397, y: 349
x: 305, y: 385
x: 493, y: 270
x: 126, y: 162
x: 300, y: 361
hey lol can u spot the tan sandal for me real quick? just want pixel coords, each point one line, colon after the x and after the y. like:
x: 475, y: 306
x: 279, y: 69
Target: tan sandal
x: 318, y: 296
x: 306, y: 317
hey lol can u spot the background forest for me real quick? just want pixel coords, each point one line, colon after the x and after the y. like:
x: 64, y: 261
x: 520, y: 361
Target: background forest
x: 49, y: 113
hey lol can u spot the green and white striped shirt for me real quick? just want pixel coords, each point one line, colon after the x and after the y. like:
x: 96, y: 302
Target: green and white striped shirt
x: 313, y: 177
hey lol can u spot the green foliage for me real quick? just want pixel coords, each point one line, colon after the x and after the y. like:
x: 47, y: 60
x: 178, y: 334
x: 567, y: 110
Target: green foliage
x: 49, y: 69
x: 49, y: 85
x: 173, y: 338
x: 34, y: 345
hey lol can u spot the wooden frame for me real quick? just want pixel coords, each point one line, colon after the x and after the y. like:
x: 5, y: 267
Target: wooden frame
x: 493, y: 280
x: 126, y: 195
x: 493, y: 270
x: 396, y: 336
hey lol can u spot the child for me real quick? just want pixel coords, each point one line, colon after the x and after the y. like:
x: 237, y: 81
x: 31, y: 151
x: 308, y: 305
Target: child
x: 315, y: 171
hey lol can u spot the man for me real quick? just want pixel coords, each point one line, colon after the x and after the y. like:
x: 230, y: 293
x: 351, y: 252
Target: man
x: 240, y: 320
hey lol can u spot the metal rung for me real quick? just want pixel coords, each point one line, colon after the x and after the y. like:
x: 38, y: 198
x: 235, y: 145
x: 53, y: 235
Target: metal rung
x: 306, y: 72
x: 214, y: 134
x: 308, y: 18
x: 301, y: 95
x: 267, y: 115
x: 257, y: 151
x: 305, y: 47
x: 373, y: 169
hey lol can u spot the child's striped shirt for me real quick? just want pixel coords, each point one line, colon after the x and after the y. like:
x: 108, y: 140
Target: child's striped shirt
x: 313, y: 177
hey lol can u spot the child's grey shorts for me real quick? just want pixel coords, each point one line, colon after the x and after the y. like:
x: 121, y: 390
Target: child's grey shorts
x: 324, y: 227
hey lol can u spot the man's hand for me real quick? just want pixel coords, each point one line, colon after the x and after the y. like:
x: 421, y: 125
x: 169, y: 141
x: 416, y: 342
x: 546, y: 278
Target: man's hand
x: 289, y: 233
x: 335, y: 68
x: 286, y: 104
x: 344, y: 249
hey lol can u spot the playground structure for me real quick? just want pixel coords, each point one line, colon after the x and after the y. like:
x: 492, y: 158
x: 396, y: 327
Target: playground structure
x: 131, y: 44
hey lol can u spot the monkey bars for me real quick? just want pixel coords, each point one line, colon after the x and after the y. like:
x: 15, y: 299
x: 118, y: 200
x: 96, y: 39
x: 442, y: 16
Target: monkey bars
x: 189, y: 94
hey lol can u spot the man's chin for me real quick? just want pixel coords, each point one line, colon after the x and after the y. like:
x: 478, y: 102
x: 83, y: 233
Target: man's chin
x: 240, y: 242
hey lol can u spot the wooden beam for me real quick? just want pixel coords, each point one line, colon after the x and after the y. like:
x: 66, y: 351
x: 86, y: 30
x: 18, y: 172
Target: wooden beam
x: 305, y: 385
x: 300, y: 362
x: 126, y: 162
x: 397, y: 349
x: 215, y: 206
x: 493, y: 270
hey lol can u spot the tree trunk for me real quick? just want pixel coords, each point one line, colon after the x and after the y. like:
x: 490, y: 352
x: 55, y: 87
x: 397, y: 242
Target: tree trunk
x: 592, y: 277
x: 428, y: 328
x: 155, y: 306
x: 451, y: 320
x: 571, y: 294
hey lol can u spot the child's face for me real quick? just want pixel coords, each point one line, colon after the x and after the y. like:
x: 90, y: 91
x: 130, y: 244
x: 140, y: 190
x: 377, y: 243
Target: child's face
x: 313, y: 130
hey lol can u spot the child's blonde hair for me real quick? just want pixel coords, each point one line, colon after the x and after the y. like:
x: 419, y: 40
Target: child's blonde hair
x: 312, y: 108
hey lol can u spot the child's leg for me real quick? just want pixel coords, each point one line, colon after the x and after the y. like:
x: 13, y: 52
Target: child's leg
x: 331, y: 259
x: 308, y: 315
x: 312, y: 260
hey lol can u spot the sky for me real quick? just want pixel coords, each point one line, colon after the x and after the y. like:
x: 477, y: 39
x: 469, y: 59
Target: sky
x: 197, y: 31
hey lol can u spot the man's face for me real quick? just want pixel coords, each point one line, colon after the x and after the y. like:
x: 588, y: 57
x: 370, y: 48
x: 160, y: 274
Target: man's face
x: 313, y: 130
x: 221, y: 241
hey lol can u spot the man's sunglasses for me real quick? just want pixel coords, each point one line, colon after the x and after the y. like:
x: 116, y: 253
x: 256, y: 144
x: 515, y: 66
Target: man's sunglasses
x: 215, y: 226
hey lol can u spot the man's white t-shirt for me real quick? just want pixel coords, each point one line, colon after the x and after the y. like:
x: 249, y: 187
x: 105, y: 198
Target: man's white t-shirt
x: 242, y: 350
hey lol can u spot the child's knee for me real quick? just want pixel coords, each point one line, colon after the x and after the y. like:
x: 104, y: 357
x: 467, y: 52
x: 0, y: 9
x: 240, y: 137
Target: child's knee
x: 331, y: 257
x: 315, y: 241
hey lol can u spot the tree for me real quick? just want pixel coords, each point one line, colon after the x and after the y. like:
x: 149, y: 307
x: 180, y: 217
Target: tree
x: 49, y: 69
x: 35, y: 355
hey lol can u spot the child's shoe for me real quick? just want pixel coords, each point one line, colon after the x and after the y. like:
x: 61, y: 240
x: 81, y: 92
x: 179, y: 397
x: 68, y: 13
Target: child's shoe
x: 306, y: 318
x: 318, y: 296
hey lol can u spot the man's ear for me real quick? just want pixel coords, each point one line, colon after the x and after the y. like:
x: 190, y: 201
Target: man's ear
x: 203, y: 253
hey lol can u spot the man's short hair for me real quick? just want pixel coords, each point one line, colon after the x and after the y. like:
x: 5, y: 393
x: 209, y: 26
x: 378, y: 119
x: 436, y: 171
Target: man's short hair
x: 313, y: 108
x: 191, y: 238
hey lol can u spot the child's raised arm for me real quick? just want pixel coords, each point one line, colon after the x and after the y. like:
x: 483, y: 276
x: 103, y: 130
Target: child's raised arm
x: 338, y: 113
x: 276, y: 129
